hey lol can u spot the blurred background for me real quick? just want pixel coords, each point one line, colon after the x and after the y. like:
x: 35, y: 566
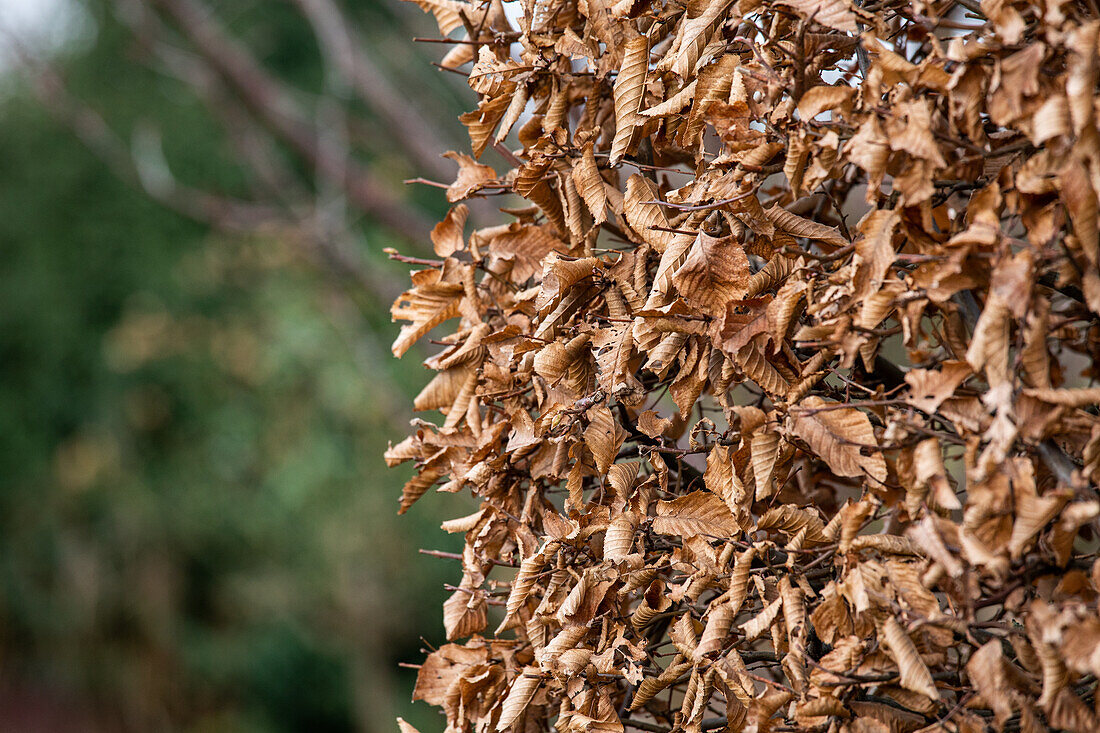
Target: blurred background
x: 197, y: 531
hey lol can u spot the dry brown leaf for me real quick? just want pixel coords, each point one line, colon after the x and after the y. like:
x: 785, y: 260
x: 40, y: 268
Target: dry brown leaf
x: 914, y: 673
x: 722, y: 480
x: 430, y: 302
x: 447, y: 236
x: 647, y: 219
x: 987, y: 669
x: 714, y: 272
x: 765, y: 451
x: 798, y: 226
x: 471, y: 176
x: 832, y: 13
x: 629, y: 93
x: 741, y: 322
x: 697, y: 513
x: 761, y: 622
x: 522, y: 690
x: 1085, y: 397
x: 653, y: 425
x: 824, y: 98
x: 603, y: 437
x: 792, y: 521
x: 465, y: 613
x: 590, y: 185
x: 443, y: 667
x: 618, y: 542
x: 930, y: 388
x: 841, y: 437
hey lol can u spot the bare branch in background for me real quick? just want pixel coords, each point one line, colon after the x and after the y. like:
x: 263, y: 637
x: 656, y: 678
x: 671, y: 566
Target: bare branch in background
x: 88, y: 125
x: 258, y: 150
x: 347, y: 59
x: 142, y: 166
x: 274, y: 106
x: 263, y: 118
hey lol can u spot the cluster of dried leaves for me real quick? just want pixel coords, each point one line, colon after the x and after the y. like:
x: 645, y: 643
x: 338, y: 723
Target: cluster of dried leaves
x: 743, y: 462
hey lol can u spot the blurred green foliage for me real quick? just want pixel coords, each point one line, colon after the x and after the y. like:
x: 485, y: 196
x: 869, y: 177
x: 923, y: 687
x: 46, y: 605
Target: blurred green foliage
x: 197, y: 531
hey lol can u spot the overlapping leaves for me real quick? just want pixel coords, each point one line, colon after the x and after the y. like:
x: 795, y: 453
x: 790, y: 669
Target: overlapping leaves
x: 778, y: 397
